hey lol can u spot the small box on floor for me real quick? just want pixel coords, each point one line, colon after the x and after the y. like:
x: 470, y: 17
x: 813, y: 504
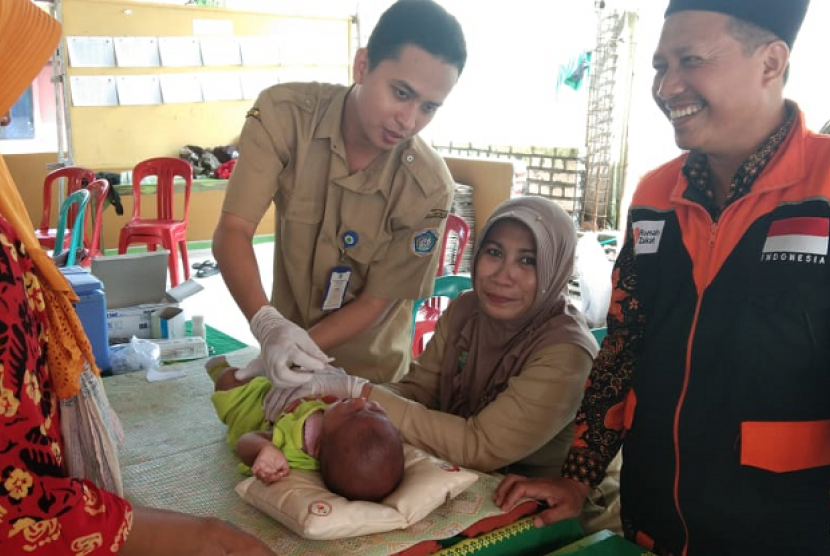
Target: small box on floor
x: 167, y: 323
x: 135, y: 285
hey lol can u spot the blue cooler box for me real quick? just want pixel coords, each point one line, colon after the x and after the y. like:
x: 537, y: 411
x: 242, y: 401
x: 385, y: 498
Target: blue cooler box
x: 92, y: 310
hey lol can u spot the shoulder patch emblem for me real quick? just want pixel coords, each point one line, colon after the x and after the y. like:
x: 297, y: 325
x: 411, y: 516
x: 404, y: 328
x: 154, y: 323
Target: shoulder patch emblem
x: 424, y: 241
x: 437, y: 213
x: 253, y: 113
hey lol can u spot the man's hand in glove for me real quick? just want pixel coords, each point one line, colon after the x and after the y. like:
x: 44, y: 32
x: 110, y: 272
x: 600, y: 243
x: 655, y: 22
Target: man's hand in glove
x: 284, y: 345
x: 339, y: 385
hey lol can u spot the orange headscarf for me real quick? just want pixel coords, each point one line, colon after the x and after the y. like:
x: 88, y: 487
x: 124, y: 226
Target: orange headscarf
x: 28, y: 37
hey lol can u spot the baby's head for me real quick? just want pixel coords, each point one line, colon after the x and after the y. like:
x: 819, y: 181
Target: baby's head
x: 361, y: 452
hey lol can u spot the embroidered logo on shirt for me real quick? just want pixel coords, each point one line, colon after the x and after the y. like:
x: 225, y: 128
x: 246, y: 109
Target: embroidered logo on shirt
x: 801, y: 239
x: 424, y: 242
x: 437, y: 213
x: 253, y: 113
x: 647, y: 234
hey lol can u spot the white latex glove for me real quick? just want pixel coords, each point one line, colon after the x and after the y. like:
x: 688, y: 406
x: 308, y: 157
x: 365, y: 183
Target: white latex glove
x: 284, y: 345
x: 339, y: 385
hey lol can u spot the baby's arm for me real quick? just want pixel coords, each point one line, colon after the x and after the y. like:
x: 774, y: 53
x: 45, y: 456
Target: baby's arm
x: 267, y: 462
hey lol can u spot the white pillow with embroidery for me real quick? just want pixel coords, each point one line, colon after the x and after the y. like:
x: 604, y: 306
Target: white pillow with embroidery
x: 302, y: 503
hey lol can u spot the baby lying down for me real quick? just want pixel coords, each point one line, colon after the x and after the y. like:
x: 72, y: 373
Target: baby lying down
x: 357, y: 450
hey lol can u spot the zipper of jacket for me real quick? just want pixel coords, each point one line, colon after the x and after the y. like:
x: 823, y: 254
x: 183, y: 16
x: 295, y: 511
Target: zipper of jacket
x: 712, y: 239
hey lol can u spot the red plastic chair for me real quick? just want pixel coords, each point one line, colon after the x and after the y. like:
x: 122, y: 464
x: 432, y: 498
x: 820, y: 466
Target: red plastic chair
x: 455, y: 225
x: 434, y: 306
x: 164, y: 229
x: 449, y: 287
x: 98, y: 190
x: 75, y: 177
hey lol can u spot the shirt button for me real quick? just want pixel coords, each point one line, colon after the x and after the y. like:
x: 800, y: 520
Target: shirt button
x: 307, y: 102
x: 410, y: 158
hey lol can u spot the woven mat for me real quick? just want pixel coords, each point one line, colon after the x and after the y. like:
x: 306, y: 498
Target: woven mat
x: 175, y: 457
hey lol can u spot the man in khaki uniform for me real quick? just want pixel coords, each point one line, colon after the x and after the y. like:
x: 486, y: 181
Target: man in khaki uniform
x: 361, y: 203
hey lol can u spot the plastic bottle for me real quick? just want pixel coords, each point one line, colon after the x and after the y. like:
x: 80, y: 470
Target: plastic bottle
x: 199, y: 330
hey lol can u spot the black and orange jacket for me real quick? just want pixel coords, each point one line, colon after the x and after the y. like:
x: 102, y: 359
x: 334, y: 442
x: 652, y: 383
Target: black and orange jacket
x: 722, y: 395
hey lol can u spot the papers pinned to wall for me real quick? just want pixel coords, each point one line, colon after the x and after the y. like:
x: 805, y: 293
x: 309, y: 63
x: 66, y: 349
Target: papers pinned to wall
x: 221, y: 86
x: 177, y: 88
x: 91, y: 52
x: 93, y: 90
x: 254, y: 82
x: 259, y: 51
x: 220, y: 51
x: 137, y: 52
x: 138, y: 90
x: 180, y: 52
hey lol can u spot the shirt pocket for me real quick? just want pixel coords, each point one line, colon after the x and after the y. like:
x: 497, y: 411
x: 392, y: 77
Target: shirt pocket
x: 361, y: 232
x: 360, y: 243
x: 785, y: 446
x: 296, y: 209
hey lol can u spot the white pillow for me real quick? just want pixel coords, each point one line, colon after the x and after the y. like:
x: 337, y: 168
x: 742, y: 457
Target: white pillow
x: 302, y: 503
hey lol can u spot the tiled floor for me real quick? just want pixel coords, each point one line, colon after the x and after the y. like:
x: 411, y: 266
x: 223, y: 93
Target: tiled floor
x: 215, y: 301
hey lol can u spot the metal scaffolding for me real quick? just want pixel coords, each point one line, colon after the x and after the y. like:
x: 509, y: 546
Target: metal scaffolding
x: 609, y: 97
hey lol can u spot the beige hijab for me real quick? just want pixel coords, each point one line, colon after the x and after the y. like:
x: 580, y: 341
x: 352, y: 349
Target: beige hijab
x: 483, y: 353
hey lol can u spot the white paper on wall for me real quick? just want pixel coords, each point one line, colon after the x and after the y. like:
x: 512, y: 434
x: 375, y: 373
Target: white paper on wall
x: 180, y: 52
x: 220, y: 86
x: 138, y: 90
x: 180, y: 87
x: 91, y: 52
x: 220, y: 51
x: 93, y: 90
x: 254, y: 82
x: 259, y: 51
x: 137, y: 52
x: 215, y: 27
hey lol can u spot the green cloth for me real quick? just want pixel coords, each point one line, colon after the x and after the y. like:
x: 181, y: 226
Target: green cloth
x: 288, y: 435
x: 241, y: 408
x: 520, y: 538
x: 218, y: 342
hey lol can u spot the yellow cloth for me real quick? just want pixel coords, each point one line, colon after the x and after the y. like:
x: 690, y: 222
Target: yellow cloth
x: 29, y: 36
x: 240, y: 408
x: 288, y: 434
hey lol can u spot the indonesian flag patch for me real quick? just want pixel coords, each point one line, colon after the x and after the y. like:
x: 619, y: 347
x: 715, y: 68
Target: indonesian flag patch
x: 805, y: 234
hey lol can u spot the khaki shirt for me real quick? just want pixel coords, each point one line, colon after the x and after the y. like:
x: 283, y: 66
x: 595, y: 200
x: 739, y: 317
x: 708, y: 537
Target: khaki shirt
x: 384, y: 223
x: 527, y: 429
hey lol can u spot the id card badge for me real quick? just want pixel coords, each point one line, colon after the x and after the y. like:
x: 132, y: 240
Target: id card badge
x: 336, y: 288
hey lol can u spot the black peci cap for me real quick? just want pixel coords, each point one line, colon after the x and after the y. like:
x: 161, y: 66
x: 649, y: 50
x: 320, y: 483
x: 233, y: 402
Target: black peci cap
x: 781, y: 17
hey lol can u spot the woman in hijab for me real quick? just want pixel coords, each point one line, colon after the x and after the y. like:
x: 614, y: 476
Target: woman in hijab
x: 58, y: 467
x: 499, y: 383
